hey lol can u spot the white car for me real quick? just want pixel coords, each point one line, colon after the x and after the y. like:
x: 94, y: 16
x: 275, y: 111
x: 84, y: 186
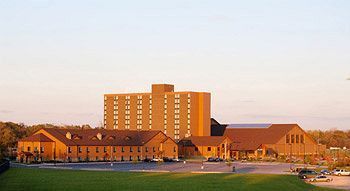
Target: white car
x: 321, y: 178
x: 341, y: 172
x: 157, y: 160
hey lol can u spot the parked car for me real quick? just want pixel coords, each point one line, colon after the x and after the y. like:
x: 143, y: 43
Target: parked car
x: 147, y: 160
x: 325, y: 172
x: 177, y: 160
x: 219, y: 159
x: 341, y: 172
x: 166, y: 159
x: 321, y: 178
x: 157, y: 160
x: 307, y: 173
x: 211, y: 159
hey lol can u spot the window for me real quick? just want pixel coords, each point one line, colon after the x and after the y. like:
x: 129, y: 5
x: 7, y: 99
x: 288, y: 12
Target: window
x: 209, y: 148
x: 297, y: 138
x: 79, y: 149
x: 87, y: 149
x: 131, y: 149
x: 154, y: 149
x: 41, y: 149
x: 97, y: 150
x: 138, y: 149
x: 69, y: 150
x: 301, y: 138
x: 114, y: 149
x: 196, y: 148
x: 174, y: 149
x: 292, y: 137
x: 122, y: 158
x: 104, y: 149
x: 130, y: 158
x: 122, y: 149
x: 96, y: 158
x: 287, y: 138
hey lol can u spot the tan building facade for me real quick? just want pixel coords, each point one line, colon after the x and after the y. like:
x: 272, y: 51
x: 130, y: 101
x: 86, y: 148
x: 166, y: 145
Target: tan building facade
x: 177, y: 114
x: 76, y: 145
x: 205, y: 147
x: 275, y: 140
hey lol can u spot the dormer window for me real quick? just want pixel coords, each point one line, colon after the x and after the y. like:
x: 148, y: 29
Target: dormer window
x: 99, y: 136
x: 76, y: 137
x: 127, y: 138
x: 68, y: 135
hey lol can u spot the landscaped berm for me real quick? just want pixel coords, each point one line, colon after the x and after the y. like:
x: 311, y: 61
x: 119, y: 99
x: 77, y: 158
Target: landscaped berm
x: 47, y: 179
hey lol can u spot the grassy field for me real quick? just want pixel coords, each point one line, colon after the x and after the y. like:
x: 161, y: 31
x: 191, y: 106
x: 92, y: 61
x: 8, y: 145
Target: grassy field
x: 45, y: 179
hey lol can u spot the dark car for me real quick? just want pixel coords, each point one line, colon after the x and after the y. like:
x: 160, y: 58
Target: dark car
x: 307, y: 173
x: 219, y: 159
x: 325, y: 172
x: 166, y: 159
x: 147, y: 160
x: 211, y: 159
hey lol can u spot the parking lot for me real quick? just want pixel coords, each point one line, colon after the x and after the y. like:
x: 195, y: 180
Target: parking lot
x: 191, y: 167
x: 214, y: 167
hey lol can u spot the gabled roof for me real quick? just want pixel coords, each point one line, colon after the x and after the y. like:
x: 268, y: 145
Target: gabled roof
x: 89, y: 137
x: 37, y: 138
x: 250, y: 125
x: 203, y: 140
x: 252, y: 138
x: 216, y: 129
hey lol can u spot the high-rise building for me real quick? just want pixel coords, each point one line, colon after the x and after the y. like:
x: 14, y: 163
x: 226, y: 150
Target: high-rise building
x: 177, y: 114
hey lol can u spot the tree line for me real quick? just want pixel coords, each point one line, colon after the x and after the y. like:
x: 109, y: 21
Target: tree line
x: 332, y: 137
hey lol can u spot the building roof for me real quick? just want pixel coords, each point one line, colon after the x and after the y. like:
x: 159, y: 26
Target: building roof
x: 203, y: 141
x: 37, y: 138
x: 216, y: 129
x: 90, y: 137
x: 252, y: 138
x: 250, y: 125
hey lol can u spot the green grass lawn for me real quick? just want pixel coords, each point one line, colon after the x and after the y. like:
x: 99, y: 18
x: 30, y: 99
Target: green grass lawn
x: 46, y: 179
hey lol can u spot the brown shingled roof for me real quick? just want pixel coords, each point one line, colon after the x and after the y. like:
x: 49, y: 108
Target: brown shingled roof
x: 203, y: 140
x: 37, y: 138
x: 109, y: 137
x: 253, y: 138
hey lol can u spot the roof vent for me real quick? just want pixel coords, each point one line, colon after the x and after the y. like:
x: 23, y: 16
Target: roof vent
x: 69, y: 135
x: 99, y: 136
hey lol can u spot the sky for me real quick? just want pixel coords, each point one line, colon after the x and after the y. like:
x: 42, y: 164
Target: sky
x: 263, y: 61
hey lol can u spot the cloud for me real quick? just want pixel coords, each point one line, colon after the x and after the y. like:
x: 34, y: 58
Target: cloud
x: 5, y: 111
x: 248, y: 101
x: 220, y: 18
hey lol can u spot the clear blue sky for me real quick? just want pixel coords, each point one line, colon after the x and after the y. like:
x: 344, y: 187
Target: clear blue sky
x: 263, y: 61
